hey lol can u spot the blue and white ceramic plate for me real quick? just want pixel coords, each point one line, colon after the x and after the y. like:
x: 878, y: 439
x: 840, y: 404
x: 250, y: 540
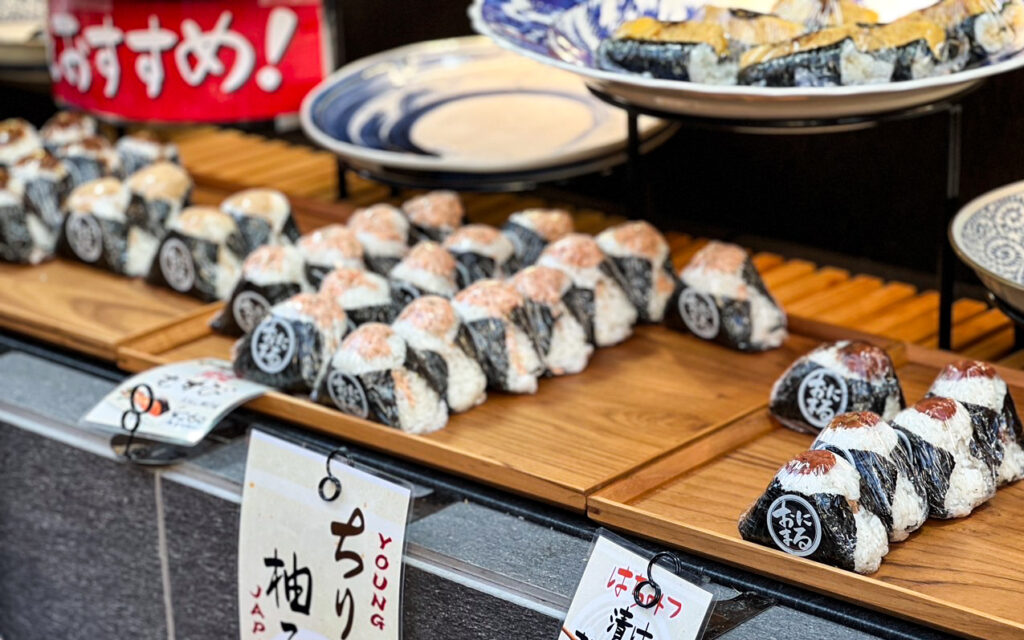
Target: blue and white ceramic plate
x: 464, y: 106
x: 566, y: 33
x: 988, y: 234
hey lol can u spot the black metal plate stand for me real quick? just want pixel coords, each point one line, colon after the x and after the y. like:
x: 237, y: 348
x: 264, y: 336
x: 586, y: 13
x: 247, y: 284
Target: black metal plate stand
x: 951, y: 107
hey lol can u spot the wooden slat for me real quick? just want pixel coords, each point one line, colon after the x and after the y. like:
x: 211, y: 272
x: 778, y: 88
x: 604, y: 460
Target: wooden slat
x: 853, y: 289
x: 800, y: 288
x: 786, y: 273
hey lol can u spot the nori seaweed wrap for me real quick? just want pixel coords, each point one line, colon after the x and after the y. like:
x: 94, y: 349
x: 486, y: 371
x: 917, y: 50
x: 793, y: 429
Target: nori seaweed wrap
x: 641, y: 264
x: 89, y: 159
x: 813, y: 509
x: 24, y: 238
x: 434, y: 215
x: 270, y: 274
x: 290, y: 348
x: 426, y: 269
x: 66, y: 127
x: 158, y: 193
x: 890, y: 485
x: 560, y: 339
x: 532, y: 230
x: 430, y: 327
x: 692, y: 50
x: 143, y: 148
x: 201, y: 254
x: 833, y: 379
x: 978, y: 387
x: 264, y: 216
x: 721, y: 297
x: 384, y: 233
x: 328, y: 248
x: 595, y: 298
x: 980, y: 27
x: 480, y: 252
x: 496, y: 332
x: 18, y: 138
x: 954, y: 464
x: 364, y: 295
x: 374, y: 376
x: 46, y: 184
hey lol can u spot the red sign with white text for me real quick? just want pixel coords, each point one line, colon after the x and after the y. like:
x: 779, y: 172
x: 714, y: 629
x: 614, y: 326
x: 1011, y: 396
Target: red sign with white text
x: 187, y: 61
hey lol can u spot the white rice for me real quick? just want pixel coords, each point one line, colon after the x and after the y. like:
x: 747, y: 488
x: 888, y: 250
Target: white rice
x: 356, y: 289
x: 429, y: 268
x: 334, y: 246
x: 164, y: 181
x: 267, y: 204
x: 207, y: 223
x: 142, y: 248
x: 382, y: 230
x: 25, y: 144
x: 291, y: 269
x: 56, y: 133
x: 662, y: 285
x: 104, y: 198
x: 467, y: 239
x: 146, y: 148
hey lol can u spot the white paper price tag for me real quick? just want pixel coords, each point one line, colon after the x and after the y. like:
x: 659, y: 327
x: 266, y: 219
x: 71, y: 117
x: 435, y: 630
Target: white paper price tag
x: 189, y: 399
x: 604, y: 609
x: 312, y: 569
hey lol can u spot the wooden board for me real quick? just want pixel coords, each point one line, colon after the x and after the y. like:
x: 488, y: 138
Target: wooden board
x: 635, y: 402
x: 962, y: 576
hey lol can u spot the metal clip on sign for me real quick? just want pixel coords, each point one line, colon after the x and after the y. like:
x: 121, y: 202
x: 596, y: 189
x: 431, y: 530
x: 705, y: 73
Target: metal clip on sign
x: 330, y: 479
x: 677, y: 569
x: 133, y: 415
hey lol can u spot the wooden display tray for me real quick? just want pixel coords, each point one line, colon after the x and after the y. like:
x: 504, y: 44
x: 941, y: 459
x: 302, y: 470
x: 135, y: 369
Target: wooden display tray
x: 963, y: 576
x: 636, y: 401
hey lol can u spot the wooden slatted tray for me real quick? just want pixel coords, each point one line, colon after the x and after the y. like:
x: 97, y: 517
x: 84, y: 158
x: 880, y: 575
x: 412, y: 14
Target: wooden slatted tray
x: 963, y: 576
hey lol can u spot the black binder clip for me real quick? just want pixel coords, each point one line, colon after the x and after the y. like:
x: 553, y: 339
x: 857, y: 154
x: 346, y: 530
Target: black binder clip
x: 330, y: 479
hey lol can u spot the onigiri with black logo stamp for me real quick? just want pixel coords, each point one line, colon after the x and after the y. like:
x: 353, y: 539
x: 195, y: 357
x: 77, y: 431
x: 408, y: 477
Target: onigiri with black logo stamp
x: 480, y: 252
x: 836, y: 378
x: 639, y: 255
x: 291, y: 346
x: 143, y: 148
x: 595, y: 298
x: 721, y: 297
x: 384, y: 233
x: 434, y: 215
x: 430, y: 327
x: 24, y: 237
x: 496, y: 332
x: 157, y: 195
x: 427, y: 270
x: 560, y: 339
x: 328, y: 248
x: 531, y: 230
x: 46, y: 184
x: 364, y: 295
x: 374, y: 375
x: 18, y: 138
x: 201, y: 254
x: 891, y: 486
x: 264, y: 216
x: 956, y: 468
x: 813, y: 509
x: 66, y: 127
x: 90, y: 158
x: 270, y: 274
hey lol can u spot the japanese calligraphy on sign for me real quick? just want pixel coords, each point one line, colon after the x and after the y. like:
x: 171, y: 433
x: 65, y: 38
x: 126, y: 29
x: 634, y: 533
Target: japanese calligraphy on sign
x: 794, y: 525
x: 308, y: 568
x: 189, y: 400
x: 173, y: 61
x: 603, y: 607
x: 822, y: 396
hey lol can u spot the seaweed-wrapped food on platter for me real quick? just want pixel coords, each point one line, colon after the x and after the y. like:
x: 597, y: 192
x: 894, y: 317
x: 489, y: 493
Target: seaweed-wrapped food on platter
x: 430, y: 327
x: 66, y: 127
x: 495, y: 331
x: 480, y: 252
x: 747, y: 29
x: 328, y: 248
x: 978, y: 387
x: 560, y: 339
x: 46, y: 183
x: 158, y: 193
x: 890, y: 485
x: 24, y: 238
x: 721, y: 297
x: 90, y: 158
x: 143, y: 148
x: 982, y: 28
x: 364, y: 295
x: 434, y: 215
x: 373, y: 375
x: 426, y: 269
x: 290, y: 348
x: 270, y: 274
x: 836, y: 378
x: 692, y: 50
x: 942, y: 442
x: 264, y: 216
x: 595, y: 298
x: 201, y: 254
x: 639, y: 255
x: 384, y: 233
x: 18, y: 138
x: 813, y: 509
x: 533, y: 229
x: 815, y: 14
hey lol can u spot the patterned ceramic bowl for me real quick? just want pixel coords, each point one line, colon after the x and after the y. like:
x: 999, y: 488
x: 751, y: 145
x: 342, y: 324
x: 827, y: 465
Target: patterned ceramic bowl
x: 988, y: 234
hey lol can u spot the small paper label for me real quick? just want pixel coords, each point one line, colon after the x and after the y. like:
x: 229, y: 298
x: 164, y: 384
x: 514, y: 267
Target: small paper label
x: 309, y: 568
x: 189, y: 399
x: 603, y: 606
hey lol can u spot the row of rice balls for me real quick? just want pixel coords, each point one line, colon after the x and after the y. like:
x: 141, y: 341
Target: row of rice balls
x: 876, y: 472
x: 39, y: 169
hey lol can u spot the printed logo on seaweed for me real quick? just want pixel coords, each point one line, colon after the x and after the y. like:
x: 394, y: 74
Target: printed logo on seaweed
x: 794, y: 525
x: 273, y: 345
x: 348, y: 394
x: 177, y: 266
x: 822, y: 396
x: 700, y: 313
x: 249, y: 308
x: 84, y: 237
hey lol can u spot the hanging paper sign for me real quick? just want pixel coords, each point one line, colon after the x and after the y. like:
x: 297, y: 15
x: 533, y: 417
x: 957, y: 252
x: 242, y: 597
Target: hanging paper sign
x: 319, y: 556
x: 178, y: 403
x: 181, y: 61
x: 605, y: 606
